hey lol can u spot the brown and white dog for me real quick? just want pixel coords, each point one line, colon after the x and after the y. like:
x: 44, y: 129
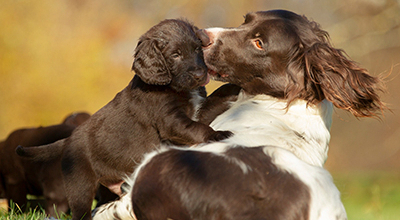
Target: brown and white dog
x: 159, y: 105
x: 272, y: 167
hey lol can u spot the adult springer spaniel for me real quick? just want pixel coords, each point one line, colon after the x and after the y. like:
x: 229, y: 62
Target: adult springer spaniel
x: 272, y: 167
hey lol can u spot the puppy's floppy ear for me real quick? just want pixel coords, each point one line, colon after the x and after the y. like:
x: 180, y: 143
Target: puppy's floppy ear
x: 333, y: 76
x: 149, y: 63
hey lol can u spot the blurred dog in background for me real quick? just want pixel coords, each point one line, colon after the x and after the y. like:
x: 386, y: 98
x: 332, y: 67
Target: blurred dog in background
x: 19, y: 176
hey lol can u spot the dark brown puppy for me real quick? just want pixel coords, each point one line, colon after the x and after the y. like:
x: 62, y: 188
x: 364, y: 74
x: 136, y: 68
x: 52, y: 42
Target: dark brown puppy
x: 103, y: 194
x: 76, y: 119
x: 20, y: 177
x: 158, y: 105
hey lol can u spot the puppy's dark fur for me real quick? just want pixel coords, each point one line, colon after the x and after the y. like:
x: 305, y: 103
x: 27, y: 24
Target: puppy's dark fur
x: 218, y: 102
x: 20, y: 177
x: 76, y: 119
x: 158, y: 105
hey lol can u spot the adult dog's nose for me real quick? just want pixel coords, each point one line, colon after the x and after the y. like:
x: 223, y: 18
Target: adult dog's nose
x: 208, y: 36
x: 205, y: 38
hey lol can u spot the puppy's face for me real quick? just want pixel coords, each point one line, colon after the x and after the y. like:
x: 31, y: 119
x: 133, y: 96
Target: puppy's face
x: 170, y: 54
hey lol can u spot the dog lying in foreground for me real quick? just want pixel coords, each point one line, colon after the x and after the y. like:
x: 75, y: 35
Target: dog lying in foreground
x: 159, y: 105
x: 272, y: 167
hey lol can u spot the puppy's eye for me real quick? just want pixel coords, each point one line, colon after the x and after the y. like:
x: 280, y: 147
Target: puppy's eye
x: 259, y: 44
x: 176, y: 54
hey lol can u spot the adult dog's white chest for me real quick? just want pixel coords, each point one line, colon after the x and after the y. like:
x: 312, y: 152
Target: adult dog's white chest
x: 263, y: 120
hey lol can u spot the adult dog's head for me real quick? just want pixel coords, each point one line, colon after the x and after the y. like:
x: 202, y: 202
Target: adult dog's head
x: 170, y: 54
x: 282, y: 54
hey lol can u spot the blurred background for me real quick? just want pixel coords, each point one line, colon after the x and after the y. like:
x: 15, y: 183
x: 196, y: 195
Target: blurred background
x: 58, y: 57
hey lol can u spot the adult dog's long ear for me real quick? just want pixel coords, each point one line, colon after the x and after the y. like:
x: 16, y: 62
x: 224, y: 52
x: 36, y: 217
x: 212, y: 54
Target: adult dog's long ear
x: 149, y: 63
x: 340, y: 80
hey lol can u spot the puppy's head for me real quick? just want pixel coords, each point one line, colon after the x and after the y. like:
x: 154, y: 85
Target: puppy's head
x: 170, y: 54
x: 285, y: 55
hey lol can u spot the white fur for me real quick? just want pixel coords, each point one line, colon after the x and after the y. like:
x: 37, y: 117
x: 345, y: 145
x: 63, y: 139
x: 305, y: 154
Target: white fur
x: 196, y: 100
x: 325, y: 197
x: 122, y: 207
x: 215, y: 31
x: 263, y: 120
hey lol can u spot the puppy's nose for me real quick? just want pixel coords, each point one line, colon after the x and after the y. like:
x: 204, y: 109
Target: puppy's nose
x: 199, y: 74
x: 204, y: 36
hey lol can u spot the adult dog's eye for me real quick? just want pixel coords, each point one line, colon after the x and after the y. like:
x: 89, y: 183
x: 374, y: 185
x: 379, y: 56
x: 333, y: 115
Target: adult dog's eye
x: 259, y: 44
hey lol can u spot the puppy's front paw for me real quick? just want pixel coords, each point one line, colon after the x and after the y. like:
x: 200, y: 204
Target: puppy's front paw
x: 220, y: 135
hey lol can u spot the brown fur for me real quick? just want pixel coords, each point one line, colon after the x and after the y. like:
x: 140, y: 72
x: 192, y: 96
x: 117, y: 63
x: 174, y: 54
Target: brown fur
x: 76, y: 119
x: 155, y: 107
x: 20, y: 177
x: 277, y: 53
x: 297, y: 61
x: 184, y: 184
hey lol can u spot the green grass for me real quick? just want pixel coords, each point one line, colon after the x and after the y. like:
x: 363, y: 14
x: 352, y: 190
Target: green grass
x: 370, y: 196
x: 37, y: 213
x: 28, y: 216
x: 366, y: 196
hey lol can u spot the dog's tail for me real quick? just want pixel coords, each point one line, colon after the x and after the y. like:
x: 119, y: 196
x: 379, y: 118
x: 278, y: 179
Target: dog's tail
x: 42, y: 153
